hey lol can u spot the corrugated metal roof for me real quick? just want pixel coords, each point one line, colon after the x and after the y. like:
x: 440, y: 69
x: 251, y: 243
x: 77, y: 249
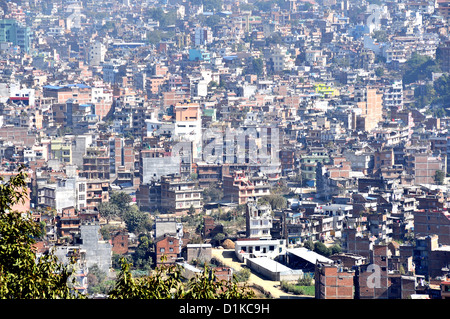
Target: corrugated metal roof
x: 309, y: 255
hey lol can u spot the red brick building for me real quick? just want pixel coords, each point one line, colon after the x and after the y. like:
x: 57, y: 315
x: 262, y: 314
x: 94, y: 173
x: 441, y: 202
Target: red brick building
x: 433, y: 222
x: 119, y: 243
x: 169, y: 247
x: 332, y: 282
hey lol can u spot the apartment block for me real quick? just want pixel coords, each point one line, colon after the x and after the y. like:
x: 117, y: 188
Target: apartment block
x: 178, y: 195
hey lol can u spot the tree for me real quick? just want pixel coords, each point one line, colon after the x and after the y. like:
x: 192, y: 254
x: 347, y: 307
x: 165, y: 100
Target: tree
x: 321, y: 249
x: 275, y: 201
x: 121, y: 200
x: 166, y: 283
x: 108, y: 210
x: 22, y: 274
x: 135, y: 220
x: 25, y: 276
x: 258, y: 66
x: 419, y: 67
x: 212, y: 194
x: 142, y: 257
x: 439, y: 177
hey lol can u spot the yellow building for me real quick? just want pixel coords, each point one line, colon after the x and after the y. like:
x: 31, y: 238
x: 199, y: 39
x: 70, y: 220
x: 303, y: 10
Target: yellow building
x: 325, y: 91
x: 61, y: 149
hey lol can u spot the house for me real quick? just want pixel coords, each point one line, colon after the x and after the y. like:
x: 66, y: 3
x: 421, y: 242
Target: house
x: 250, y: 248
x: 167, y: 249
x: 179, y: 194
x: 258, y: 220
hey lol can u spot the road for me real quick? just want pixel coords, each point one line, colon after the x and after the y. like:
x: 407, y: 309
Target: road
x: 227, y: 258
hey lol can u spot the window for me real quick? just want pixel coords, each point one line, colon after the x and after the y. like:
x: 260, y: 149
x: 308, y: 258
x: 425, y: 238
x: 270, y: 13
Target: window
x: 161, y: 250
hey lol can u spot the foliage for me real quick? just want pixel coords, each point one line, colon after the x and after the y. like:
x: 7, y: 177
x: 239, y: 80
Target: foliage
x: 166, y: 283
x: 306, y: 280
x: 242, y: 275
x: 439, y: 177
x: 165, y: 18
x: 212, y: 193
x: 309, y: 244
x: 419, y: 67
x: 258, y: 66
x: 98, y: 282
x: 142, y: 255
x: 275, y: 201
x: 297, y: 289
x: 108, y: 210
x: 22, y: 274
x: 136, y: 221
x: 119, y: 206
x: 321, y: 249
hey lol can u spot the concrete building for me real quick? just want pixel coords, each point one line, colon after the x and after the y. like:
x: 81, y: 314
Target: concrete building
x: 188, y: 125
x: 199, y: 252
x: 248, y: 248
x: 167, y: 249
x: 13, y: 31
x: 258, y: 221
x: 178, y: 195
x: 98, y: 251
x: 96, y: 53
x: 239, y: 188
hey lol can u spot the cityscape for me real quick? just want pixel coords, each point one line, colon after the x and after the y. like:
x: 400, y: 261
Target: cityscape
x: 295, y: 148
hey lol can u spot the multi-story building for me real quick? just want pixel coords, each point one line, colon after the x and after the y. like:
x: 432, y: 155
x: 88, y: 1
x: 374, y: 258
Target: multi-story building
x: 96, y: 53
x: 332, y: 282
x: 178, y: 195
x: 258, y: 220
x: 13, y: 31
x: 281, y: 59
x: 239, y: 188
x: 393, y: 97
x: 61, y: 149
x: 428, y: 222
x: 96, y: 163
x: 97, y: 191
x: 188, y: 125
x: 370, y: 102
x: 167, y: 250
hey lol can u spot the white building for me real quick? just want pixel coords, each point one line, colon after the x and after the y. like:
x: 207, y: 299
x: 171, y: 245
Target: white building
x: 281, y: 59
x: 96, y: 53
x: 259, y: 221
x: 393, y: 96
x: 270, y: 248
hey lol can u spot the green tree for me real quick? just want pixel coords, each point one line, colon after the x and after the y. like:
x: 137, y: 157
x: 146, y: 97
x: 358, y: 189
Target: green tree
x: 22, y: 274
x: 135, y: 220
x: 108, y: 210
x: 166, y: 283
x: 321, y: 249
x: 121, y: 200
x: 258, y: 66
x: 212, y: 193
x: 275, y: 201
x: 439, y: 177
x: 419, y: 67
x: 142, y: 257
